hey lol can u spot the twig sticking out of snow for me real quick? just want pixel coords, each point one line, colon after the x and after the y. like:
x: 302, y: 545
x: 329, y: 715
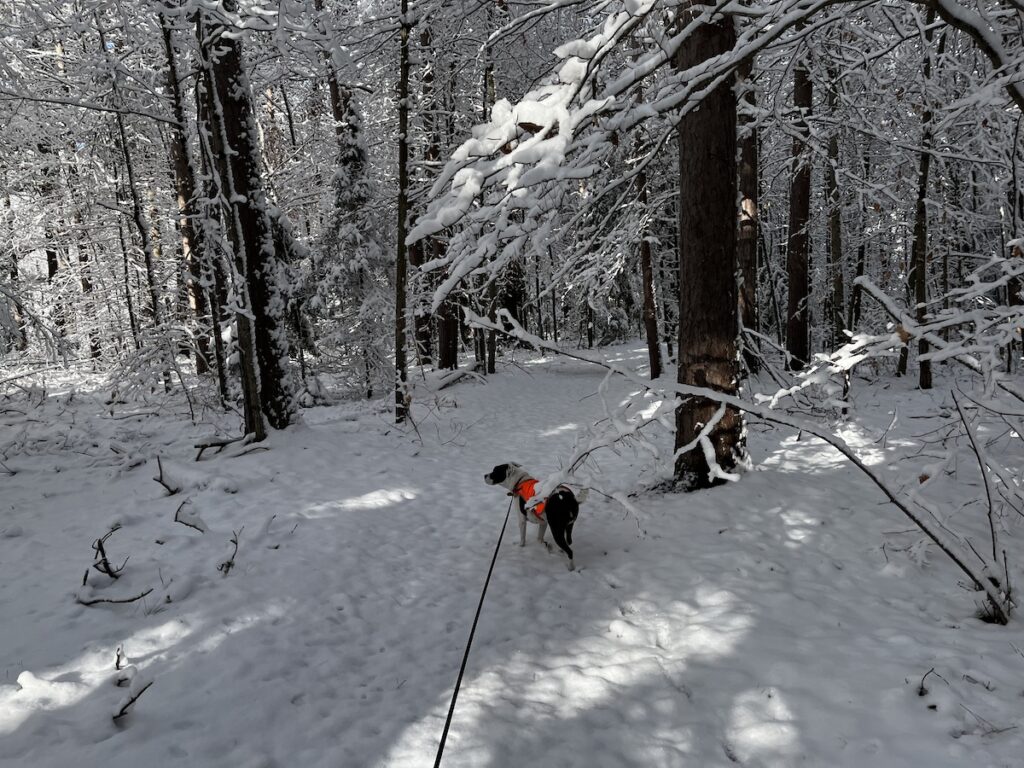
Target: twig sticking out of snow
x: 921, y: 690
x: 189, y: 519
x: 102, y: 564
x: 166, y: 483
x: 228, y: 564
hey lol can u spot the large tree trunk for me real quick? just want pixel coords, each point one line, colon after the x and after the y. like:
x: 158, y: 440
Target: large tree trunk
x: 797, y: 332
x: 708, y: 323
x: 251, y: 230
x: 746, y: 246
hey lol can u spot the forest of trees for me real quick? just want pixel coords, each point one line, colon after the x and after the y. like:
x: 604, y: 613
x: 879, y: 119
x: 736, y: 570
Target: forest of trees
x: 250, y: 199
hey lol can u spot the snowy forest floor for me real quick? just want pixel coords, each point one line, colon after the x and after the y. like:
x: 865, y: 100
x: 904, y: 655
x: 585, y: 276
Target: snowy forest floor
x: 784, y: 620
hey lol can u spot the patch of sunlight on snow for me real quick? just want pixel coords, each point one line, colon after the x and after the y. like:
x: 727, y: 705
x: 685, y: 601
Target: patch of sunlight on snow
x: 762, y: 725
x: 376, y: 499
x: 867, y: 448
x: 557, y: 430
x: 385, y: 497
x: 66, y: 685
x: 650, y: 410
x: 595, y: 674
x: 804, y: 455
x: 799, y: 525
x: 237, y: 624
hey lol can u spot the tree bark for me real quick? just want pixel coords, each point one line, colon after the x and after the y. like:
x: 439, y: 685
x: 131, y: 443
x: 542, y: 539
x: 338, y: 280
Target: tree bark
x: 919, y: 249
x: 401, y: 373
x: 183, y: 167
x: 251, y: 232
x: 797, y: 332
x: 835, y: 219
x: 708, y: 317
x: 19, y: 337
x: 856, y: 293
x: 746, y: 245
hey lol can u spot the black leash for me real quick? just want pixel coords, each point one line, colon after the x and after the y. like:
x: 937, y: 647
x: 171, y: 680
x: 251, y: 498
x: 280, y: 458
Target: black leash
x: 469, y: 643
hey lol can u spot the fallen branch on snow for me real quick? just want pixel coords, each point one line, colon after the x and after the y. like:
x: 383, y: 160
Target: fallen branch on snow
x: 112, y: 600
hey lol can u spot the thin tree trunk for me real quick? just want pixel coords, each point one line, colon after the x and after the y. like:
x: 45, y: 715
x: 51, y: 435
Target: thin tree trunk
x: 448, y: 325
x: 746, y: 245
x: 133, y: 322
x: 708, y: 317
x: 554, y: 301
x: 432, y: 157
x: 401, y: 373
x: 19, y: 339
x: 920, y: 242
x: 835, y: 219
x: 855, y: 294
x: 650, y: 310
x: 797, y: 331
x: 183, y: 166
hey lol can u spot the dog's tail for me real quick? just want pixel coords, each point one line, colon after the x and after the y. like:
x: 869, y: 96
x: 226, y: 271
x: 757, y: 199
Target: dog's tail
x: 582, y: 495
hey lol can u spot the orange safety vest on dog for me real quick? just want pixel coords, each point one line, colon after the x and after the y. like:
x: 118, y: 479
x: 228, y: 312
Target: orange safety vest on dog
x: 526, y: 490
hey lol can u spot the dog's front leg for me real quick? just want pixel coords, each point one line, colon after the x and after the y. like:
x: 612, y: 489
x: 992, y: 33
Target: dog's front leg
x: 543, y: 529
x: 522, y: 530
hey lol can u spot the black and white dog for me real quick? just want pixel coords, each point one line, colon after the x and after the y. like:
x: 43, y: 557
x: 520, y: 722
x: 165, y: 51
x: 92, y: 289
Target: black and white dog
x: 559, y: 510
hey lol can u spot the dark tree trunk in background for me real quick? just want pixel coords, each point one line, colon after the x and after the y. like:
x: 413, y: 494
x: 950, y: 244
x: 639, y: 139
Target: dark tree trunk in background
x: 650, y: 311
x: 862, y: 249
x: 126, y: 263
x: 432, y: 158
x: 448, y: 329
x: 835, y: 220
x: 185, y: 188
x: 708, y: 322
x: 401, y: 373
x: 19, y: 337
x: 797, y: 332
x: 919, y: 248
x: 746, y: 246
x: 138, y: 216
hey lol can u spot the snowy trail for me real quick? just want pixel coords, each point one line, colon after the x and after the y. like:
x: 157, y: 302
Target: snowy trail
x: 754, y: 625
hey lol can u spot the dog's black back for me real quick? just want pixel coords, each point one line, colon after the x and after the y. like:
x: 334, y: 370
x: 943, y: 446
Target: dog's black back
x: 560, y: 510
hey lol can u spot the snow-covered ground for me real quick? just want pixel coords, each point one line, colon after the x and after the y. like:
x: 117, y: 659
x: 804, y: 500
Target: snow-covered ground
x: 759, y: 624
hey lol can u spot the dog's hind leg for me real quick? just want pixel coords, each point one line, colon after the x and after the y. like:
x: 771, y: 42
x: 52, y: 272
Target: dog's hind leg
x: 558, y: 534
x: 543, y: 529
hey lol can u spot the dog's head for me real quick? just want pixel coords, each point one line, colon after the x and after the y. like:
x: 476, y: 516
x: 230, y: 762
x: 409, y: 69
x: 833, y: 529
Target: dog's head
x: 501, y: 473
